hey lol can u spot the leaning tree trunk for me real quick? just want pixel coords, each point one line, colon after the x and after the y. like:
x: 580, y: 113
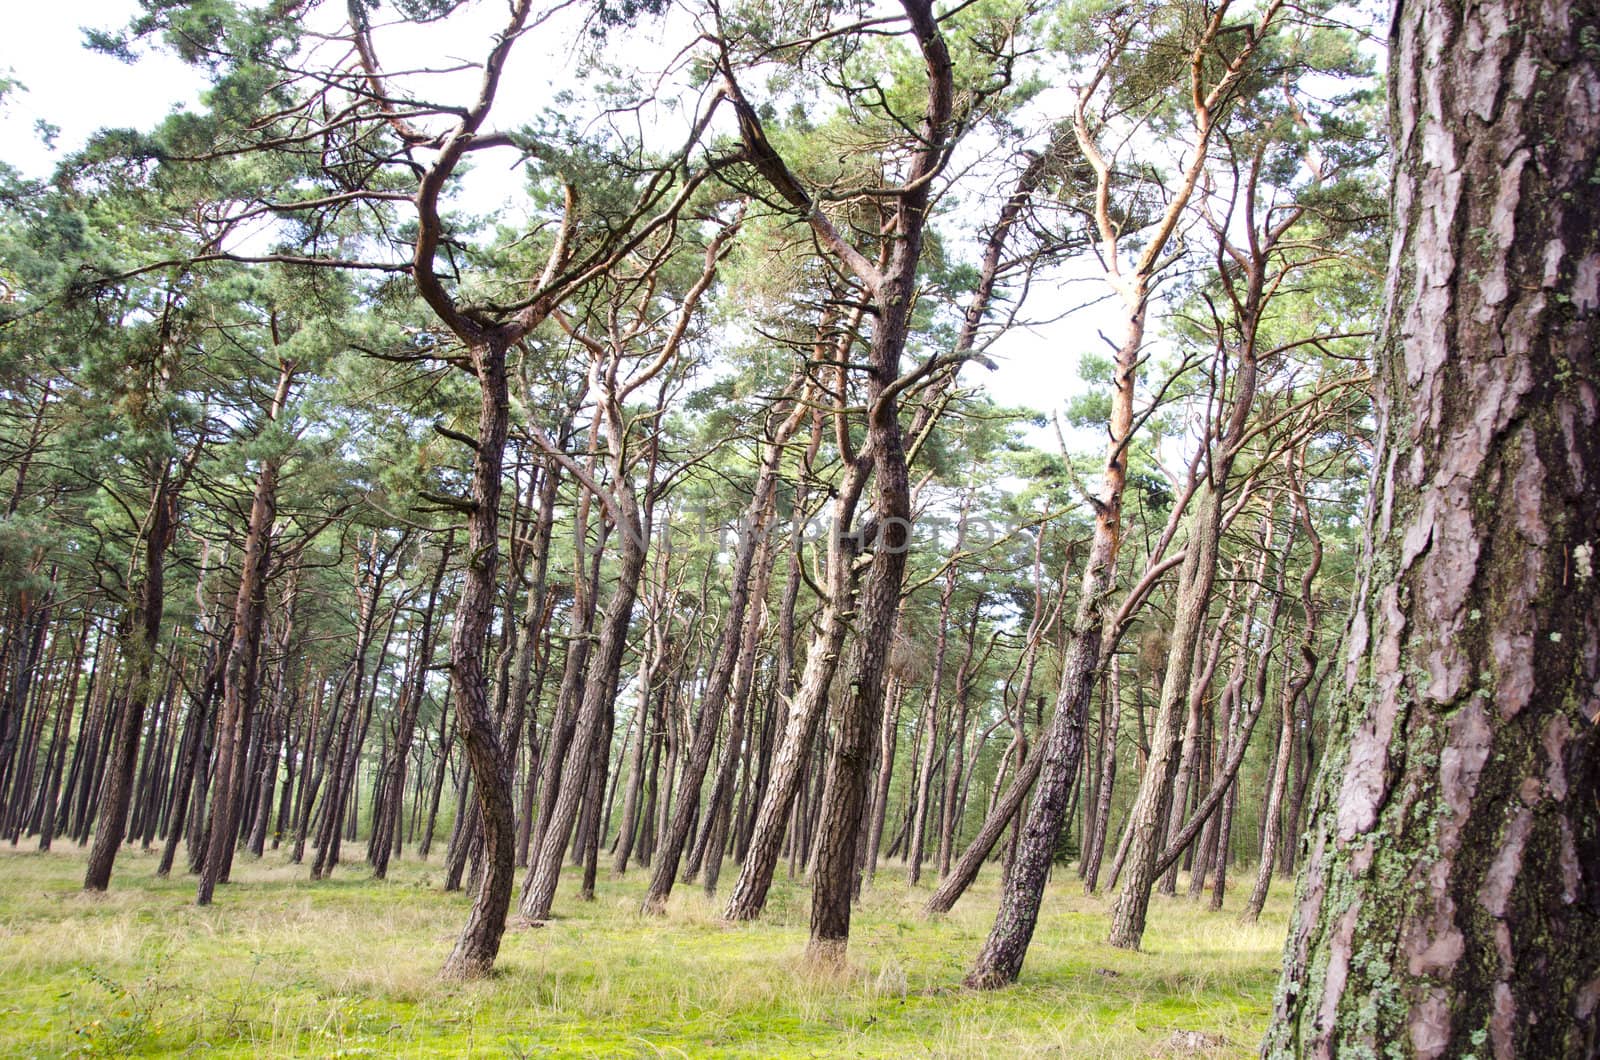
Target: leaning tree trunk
x: 749, y: 894
x: 752, y: 532
x: 861, y: 709
x: 1148, y: 817
x: 954, y: 791
x: 605, y: 662
x: 1450, y: 896
x: 965, y: 869
x: 861, y: 713
x: 1000, y: 960
x: 651, y: 668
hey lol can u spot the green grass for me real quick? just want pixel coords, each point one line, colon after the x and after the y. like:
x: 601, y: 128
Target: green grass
x: 283, y: 967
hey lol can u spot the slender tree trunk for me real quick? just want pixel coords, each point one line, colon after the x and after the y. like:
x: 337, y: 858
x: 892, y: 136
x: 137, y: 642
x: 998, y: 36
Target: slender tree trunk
x: 1293, y: 689
x: 441, y: 769
x: 240, y: 670
x: 965, y: 869
x: 1000, y: 960
x: 479, y: 942
x: 1095, y: 852
x: 56, y: 759
x: 950, y: 814
x: 932, y: 734
x: 743, y: 683
x: 544, y: 872
x: 648, y: 666
x: 1204, y: 669
x: 343, y: 784
x: 728, y: 661
x: 405, y: 729
x: 887, y: 739
x: 749, y: 894
x: 143, y: 634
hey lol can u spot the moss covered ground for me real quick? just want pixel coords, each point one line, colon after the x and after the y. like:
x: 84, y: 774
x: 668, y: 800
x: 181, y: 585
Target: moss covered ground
x: 347, y: 967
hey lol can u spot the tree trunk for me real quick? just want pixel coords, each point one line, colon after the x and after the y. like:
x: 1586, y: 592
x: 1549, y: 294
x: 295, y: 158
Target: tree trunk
x: 1000, y: 960
x: 1449, y: 892
x: 717, y: 823
x: 888, y: 737
x: 240, y: 670
x: 749, y: 894
x: 932, y: 731
x: 727, y: 663
x: 1094, y: 853
x: 605, y: 662
x: 965, y: 869
x: 405, y: 729
x: 56, y: 757
x: 954, y: 790
x: 144, y: 631
x: 476, y: 724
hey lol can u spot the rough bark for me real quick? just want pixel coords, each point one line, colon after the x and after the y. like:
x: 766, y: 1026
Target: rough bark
x: 1448, y: 900
x: 1000, y: 960
x: 965, y: 869
x: 749, y: 894
x: 476, y: 725
x: 861, y: 709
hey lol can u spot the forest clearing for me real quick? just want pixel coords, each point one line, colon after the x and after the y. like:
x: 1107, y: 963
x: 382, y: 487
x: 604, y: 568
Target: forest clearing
x: 350, y: 970
x: 834, y: 528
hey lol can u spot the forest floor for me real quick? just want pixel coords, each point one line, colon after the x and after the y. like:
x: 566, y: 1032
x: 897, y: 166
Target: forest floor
x: 347, y: 967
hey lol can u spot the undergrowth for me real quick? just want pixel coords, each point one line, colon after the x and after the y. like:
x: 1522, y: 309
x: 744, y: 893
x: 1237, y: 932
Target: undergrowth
x: 280, y: 966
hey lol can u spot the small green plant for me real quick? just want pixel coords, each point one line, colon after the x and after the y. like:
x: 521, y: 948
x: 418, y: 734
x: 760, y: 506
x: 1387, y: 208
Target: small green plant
x: 121, y: 1018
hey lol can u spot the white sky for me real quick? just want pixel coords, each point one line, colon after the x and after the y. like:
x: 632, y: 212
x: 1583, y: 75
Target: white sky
x: 81, y: 91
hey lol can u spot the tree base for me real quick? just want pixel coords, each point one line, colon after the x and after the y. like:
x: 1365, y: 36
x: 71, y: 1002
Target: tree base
x: 987, y: 979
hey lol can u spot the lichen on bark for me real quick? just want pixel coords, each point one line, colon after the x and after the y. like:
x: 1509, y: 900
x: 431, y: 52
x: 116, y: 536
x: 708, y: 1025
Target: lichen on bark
x: 1450, y: 903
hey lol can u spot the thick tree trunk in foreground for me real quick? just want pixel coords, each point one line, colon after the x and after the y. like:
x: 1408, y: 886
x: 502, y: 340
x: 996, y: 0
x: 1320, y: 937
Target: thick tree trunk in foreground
x: 1450, y: 897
